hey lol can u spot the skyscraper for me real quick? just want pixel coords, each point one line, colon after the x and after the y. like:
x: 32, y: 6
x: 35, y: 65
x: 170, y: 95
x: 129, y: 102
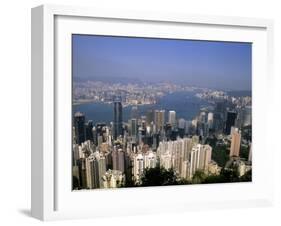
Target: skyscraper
x: 172, y: 118
x: 181, y: 127
x: 92, y: 172
x: 150, y: 159
x: 210, y: 120
x: 172, y: 153
x: 181, y: 123
x: 159, y: 119
x: 134, y: 112
x: 235, y: 144
x: 207, y: 150
x: 250, y: 153
x: 219, y: 115
x: 82, y: 172
x: 89, y: 130
x: 230, y: 121
x: 138, y: 166
x: 202, y: 117
x: 134, y: 127
x: 118, y: 119
x: 79, y: 124
x: 102, y: 169
x: 247, y: 116
x: 200, y: 158
x: 118, y: 159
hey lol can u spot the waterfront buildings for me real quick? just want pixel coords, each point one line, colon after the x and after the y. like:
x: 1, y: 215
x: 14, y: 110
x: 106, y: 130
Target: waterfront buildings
x: 117, y: 154
x: 118, y: 118
x: 79, y: 121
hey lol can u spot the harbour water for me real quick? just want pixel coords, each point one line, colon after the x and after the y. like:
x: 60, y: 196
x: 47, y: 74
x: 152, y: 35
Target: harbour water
x: 186, y: 105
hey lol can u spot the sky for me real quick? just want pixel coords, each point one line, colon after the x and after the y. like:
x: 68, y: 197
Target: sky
x: 210, y: 64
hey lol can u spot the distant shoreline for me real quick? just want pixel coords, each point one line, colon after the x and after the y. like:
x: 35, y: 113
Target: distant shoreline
x: 109, y: 103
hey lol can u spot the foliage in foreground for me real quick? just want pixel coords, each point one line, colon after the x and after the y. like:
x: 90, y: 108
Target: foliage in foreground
x: 159, y: 176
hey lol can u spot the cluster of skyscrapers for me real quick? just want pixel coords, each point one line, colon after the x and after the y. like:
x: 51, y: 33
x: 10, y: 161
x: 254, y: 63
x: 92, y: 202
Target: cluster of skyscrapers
x: 117, y: 154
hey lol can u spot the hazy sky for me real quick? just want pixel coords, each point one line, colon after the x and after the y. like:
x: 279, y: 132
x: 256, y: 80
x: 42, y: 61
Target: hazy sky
x: 223, y: 65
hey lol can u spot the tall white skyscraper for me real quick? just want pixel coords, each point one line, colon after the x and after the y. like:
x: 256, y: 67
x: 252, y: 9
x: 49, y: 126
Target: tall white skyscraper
x: 138, y: 166
x: 141, y: 161
x: 210, y: 120
x: 172, y: 118
x: 202, y: 117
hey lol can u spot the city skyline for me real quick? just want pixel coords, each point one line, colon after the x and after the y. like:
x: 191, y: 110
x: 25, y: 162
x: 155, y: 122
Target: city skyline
x: 190, y: 62
x: 156, y: 127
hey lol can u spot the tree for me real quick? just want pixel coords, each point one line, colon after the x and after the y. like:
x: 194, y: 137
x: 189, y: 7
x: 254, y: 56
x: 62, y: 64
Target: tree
x: 198, y: 177
x: 247, y: 176
x: 159, y: 176
x: 75, y: 183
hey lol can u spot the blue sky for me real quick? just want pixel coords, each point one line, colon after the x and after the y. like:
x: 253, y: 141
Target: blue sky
x: 221, y: 65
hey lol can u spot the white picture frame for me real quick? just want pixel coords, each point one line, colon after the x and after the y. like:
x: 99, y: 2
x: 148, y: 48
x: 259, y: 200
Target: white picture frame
x: 51, y: 98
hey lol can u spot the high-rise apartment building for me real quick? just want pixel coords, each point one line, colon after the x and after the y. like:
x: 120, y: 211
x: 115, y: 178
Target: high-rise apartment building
x: 92, y: 172
x: 172, y: 154
x: 150, y: 159
x: 235, y: 144
x: 118, y: 159
x: 200, y: 158
x: 138, y: 167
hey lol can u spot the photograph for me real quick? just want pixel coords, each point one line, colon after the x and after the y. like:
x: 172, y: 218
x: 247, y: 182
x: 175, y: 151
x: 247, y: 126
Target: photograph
x: 159, y: 112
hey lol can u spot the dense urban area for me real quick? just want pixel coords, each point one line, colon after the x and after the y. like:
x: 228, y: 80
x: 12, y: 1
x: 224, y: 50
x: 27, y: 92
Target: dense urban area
x: 159, y: 148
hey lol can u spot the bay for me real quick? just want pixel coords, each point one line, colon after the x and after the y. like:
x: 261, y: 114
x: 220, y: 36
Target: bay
x: 186, y: 105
